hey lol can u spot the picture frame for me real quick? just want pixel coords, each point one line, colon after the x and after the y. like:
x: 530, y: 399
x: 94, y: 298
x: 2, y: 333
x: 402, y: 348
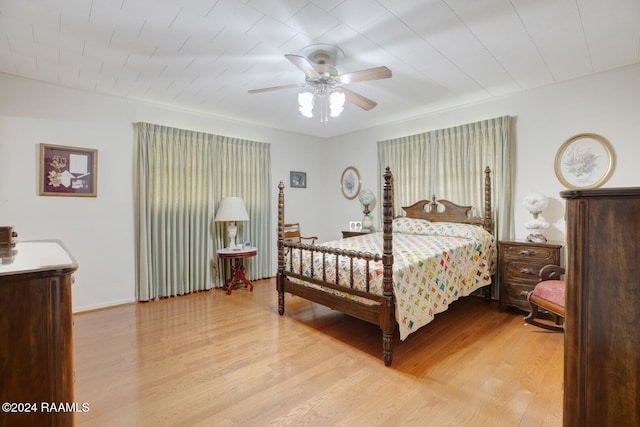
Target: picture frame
x: 297, y: 179
x: 68, y: 171
x: 350, y: 183
x: 586, y: 160
x: 355, y: 225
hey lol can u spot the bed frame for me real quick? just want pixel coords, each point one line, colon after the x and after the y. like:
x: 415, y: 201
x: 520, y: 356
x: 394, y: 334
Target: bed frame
x: 379, y: 309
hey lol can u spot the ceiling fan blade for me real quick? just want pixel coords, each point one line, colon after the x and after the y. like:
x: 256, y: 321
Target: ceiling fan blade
x: 302, y: 63
x: 376, y: 73
x: 268, y: 89
x: 359, y: 100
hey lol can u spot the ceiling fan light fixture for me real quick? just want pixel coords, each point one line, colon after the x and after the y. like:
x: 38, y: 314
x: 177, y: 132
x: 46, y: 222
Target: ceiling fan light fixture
x: 305, y: 102
x: 336, y: 103
x: 318, y: 63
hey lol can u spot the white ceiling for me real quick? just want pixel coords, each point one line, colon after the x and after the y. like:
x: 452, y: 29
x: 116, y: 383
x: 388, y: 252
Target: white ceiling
x: 204, y: 55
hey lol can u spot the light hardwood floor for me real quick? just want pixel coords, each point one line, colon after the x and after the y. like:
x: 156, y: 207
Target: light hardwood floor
x: 212, y: 359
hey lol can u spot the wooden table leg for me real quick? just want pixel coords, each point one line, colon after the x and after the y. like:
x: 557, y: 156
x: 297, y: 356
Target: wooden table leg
x: 237, y: 275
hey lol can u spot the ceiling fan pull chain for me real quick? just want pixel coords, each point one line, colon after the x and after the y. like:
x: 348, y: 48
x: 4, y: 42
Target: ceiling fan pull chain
x: 324, y: 117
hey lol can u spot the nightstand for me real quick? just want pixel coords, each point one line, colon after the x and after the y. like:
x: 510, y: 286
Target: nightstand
x: 346, y: 234
x: 520, y: 262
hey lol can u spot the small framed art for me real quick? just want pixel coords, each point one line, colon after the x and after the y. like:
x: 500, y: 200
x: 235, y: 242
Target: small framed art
x: 350, y: 183
x: 297, y: 179
x: 585, y: 160
x: 68, y: 171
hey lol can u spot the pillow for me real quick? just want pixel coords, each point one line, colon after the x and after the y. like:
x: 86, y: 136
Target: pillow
x: 411, y: 226
x: 454, y: 229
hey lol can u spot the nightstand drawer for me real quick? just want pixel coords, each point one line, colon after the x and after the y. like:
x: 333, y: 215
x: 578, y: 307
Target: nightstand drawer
x: 523, y: 271
x: 533, y: 253
x: 517, y: 295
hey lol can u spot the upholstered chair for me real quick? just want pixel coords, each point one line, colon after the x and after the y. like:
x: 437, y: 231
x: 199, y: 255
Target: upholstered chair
x: 548, y: 296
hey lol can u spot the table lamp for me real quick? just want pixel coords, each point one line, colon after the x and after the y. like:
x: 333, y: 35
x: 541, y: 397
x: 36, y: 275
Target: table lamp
x: 367, y: 199
x: 535, y: 202
x: 231, y: 209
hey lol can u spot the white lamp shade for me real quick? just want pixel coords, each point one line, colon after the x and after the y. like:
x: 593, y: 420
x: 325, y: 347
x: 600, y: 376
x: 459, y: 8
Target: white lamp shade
x: 337, y: 100
x: 535, y: 202
x: 232, y: 209
x: 305, y: 100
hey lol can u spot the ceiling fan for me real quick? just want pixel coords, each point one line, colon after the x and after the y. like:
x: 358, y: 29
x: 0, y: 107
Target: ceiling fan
x: 318, y: 63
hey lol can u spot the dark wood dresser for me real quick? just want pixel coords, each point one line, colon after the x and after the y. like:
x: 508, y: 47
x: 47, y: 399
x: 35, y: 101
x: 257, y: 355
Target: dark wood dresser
x: 602, y: 324
x: 520, y: 264
x: 36, y: 338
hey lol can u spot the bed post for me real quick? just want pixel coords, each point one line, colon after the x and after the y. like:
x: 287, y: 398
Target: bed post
x: 488, y: 221
x: 388, y: 318
x: 280, y: 276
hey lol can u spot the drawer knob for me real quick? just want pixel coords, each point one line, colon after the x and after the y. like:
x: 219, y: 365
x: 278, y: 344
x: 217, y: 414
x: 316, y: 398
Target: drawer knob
x: 525, y: 252
x: 529, y: 271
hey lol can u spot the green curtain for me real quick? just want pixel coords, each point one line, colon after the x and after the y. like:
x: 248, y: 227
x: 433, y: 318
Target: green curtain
x: 449, y: 164
x: 460, y: 155
x: 409, y: 159
x: 179, y: 177
x: 245, y: 171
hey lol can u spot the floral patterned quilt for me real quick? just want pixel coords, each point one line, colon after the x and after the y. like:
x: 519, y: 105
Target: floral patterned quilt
x: 435, y: 263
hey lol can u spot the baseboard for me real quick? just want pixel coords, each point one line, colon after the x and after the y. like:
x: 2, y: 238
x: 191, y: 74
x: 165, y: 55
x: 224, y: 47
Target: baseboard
x: 102, y: 305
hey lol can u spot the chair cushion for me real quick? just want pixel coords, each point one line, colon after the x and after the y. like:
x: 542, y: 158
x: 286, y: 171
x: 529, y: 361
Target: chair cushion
x: 551, y: 290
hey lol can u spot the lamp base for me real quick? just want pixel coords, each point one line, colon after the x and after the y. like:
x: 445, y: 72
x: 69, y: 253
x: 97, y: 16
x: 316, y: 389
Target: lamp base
x: 232, y: 232
x: 367, y: 222
x: 536, y: 238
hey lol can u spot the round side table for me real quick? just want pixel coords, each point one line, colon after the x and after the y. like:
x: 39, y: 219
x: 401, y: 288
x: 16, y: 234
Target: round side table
x: 236, y: 256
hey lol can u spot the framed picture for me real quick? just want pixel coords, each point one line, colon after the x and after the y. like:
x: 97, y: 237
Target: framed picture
x: 68, y: 171
x: 585, y: 160
x: 350, y: 183
x: 297, y: 179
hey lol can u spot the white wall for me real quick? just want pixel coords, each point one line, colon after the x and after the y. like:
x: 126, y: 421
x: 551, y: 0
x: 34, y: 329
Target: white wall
x: 99, y: 231
x: 607, y: 104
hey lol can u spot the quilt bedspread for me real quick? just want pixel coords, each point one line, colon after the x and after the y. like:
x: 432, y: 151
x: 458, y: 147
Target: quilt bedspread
x: 433, y: 266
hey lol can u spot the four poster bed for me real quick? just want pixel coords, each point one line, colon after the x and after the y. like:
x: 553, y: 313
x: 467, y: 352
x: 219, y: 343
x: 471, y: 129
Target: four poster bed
x: 400, y: 277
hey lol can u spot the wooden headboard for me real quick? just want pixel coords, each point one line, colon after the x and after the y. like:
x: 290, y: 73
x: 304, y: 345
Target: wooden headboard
x: 451, y: 212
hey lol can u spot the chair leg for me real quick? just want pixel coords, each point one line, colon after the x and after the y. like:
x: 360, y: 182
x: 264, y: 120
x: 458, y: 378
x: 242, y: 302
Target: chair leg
x: 533, y: 312
x: 559, y: 320
x: 532, y: 316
